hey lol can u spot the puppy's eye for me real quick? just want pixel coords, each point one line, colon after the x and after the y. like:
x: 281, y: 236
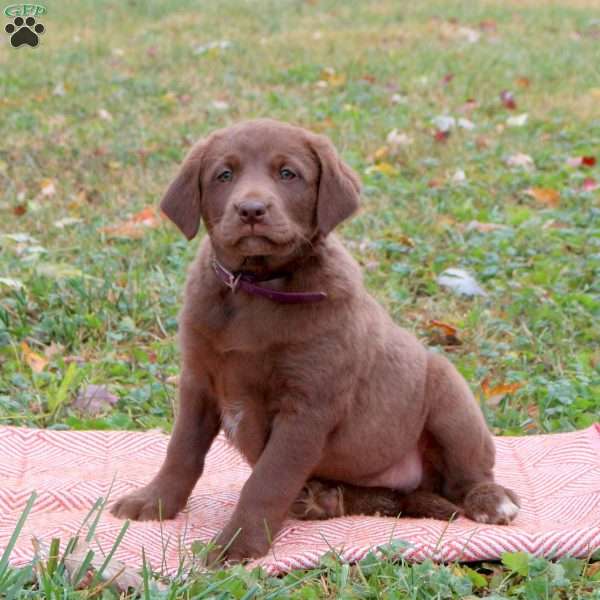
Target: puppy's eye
x: 287, y: 174
x: 226, y: 175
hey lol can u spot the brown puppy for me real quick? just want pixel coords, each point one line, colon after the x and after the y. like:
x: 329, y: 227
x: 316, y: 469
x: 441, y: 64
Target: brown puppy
x: 310, y: 388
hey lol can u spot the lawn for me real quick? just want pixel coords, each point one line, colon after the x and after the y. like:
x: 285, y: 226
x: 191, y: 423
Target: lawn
x: 475, y: 127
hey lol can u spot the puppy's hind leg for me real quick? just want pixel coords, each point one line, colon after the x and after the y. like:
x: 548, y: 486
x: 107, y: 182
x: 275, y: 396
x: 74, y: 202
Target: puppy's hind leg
x: 328, y: 499
x: 467, y: 448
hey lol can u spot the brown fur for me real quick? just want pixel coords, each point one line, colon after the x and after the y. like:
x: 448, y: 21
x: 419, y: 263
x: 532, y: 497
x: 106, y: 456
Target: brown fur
x: 309, y: 393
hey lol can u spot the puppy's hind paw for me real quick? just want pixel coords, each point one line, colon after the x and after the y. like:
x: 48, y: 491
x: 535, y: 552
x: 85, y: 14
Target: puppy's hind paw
x: 491, y: 503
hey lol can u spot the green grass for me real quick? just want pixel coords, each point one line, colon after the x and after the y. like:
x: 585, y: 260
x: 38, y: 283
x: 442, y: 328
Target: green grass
x: 107, y: 306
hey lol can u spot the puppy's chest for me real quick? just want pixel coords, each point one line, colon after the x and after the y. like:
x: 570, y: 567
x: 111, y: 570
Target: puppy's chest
x: 246, y: 402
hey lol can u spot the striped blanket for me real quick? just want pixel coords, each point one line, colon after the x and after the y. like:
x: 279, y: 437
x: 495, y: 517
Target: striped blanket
x: 556, y: 476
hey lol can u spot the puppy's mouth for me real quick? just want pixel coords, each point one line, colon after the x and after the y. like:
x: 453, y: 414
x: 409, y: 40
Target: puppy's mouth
x: 260, y: 240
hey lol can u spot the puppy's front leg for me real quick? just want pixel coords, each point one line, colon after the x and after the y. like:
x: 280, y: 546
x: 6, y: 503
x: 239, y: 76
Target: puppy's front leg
x: 196, y: 426
x: 293, y: 451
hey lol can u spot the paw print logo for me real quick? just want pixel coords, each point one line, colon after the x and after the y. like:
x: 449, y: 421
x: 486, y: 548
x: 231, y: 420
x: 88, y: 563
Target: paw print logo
x: 24, y: 31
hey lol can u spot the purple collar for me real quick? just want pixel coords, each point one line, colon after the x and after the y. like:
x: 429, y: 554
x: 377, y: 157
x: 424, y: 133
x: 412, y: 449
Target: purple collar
x: 246, y: 283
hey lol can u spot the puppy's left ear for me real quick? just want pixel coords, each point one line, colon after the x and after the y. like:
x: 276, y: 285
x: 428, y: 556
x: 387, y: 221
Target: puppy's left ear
x: 339, y: 186
x: 182, y: 200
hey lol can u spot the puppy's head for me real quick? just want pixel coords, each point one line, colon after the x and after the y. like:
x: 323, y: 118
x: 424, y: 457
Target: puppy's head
x: 262, y: 188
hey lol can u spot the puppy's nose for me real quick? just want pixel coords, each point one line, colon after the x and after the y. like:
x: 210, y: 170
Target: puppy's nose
x: 252, y: 211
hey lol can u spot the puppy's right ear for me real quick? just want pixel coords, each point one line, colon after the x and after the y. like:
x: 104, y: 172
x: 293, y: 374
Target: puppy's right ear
x: 181, y: 202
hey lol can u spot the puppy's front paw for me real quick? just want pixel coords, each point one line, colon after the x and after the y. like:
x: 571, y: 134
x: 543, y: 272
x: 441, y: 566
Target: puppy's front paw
x: 233, y: 546
x: 491, y: 503
x: 150, y: 503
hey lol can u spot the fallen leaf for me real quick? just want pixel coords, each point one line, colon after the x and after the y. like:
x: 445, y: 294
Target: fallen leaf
x: 61, y: 271
x: 508, y: 100
x: 332, y: 77
x: 444, y: 122
x: 380, y: 153
x: 94, y: 399
x: 449, y: 332
x: 520, y: 160
x: 547, y: 196
x: 19, y: 210
x: 495, y: 394
x: 581, y: 161
x: 399, y: 99
x: 470, y: 105
x: 484, y: 227
x: 466, y: 124
x: 62, y: 223
x: 452, y: 30
x: 459, y: 176
x: 59, y: 89
x: 52, y: 350
x: 114, y: 572
x: 384, y: 168
x: 136, y: 226
x: 460, y: 282
x: 398, y: 140
x: 14, y: 284
x: 220, y: 105
x: 523, y: 82
x: 37, y: 363
x: 517, y: 120
x: 19, y: 238
x: 488, y: 25
x: 47, y: 188
x: 217, y: 45
x: 445, y: 327
x: 589, y: 185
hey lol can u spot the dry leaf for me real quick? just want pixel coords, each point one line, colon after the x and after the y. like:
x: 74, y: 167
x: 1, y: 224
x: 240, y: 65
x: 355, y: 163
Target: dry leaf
x: 220, y: 105
x: 523, y: 82
x: 459, y: 176
x: 135, y: 227
x: 47, y: 188
x: 397, y: 140
x: 466, y: 124
x: 589, y: 185
x: 460, y: 282
x: 547, y: 196
x: 94, y: 399
x: 62, y: 223
x: 495, y: 394
x: 380, y: 153
x: 450, y: 337
x: 14, y: 284
x: 520, y: 160
x: 581, y: 161
x: 332, y: 78
x: 37, y: 363
x: 484, y: 227
x: 508, y: 100
x: 384, y: 168
x: 444, y: 122
x: 52, y: 350
x: 114, y: 573
x: 517, y: 120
